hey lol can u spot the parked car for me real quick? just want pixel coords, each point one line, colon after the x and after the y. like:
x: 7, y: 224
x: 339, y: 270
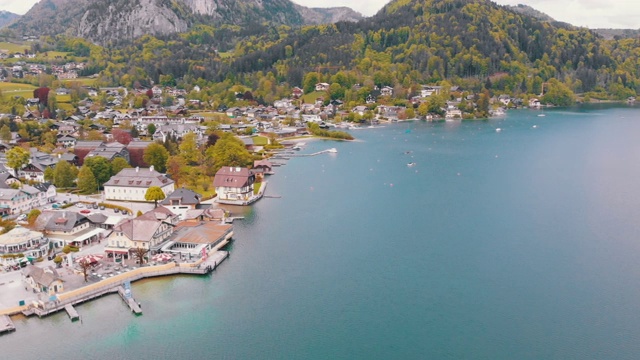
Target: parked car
x: 22, y: 217
x: 95, y: 206
x: 79, y: 205
x: 101, y: 207
x: 116, y: 210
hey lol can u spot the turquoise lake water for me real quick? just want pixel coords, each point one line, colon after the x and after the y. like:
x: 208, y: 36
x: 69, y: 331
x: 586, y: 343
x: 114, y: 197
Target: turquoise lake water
x: 518, y: 244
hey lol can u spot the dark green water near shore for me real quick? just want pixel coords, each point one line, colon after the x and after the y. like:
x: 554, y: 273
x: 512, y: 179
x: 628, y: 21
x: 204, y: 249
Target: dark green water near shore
x: 518, y: 244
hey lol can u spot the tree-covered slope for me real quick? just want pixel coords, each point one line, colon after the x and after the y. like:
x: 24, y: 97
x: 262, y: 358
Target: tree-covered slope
x: 472, y: 43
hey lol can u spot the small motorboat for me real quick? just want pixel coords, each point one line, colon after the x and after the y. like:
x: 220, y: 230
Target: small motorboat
x: 411, y: 164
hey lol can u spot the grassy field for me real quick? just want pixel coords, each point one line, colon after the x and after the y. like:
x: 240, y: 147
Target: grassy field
x: 224, y: 54
x: 11, y: 47
x: 82, y: 81
x: 9, y: 86
x: 311, y: 97
x: 12, y: 89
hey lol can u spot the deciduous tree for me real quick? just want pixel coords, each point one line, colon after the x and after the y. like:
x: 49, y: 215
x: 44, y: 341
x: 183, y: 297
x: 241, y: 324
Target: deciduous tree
x: 155, y: 194
x: 17, y: 158
x: 5, y: 133
x: 189, y: 149
x: 100, y: 167
x: 230, y: 151
x: 157, y: 155
x: 140, y: 254
x: 64, y: 174
x: 87, y: 183
x: 118, y: 164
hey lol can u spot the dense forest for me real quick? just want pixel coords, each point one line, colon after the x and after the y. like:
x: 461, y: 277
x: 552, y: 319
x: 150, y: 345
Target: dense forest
x: 474, y: 44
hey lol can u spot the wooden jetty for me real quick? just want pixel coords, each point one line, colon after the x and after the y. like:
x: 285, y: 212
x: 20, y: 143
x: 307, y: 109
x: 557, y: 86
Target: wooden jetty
x: 130, y: 301
x: 71, y: 311
x: 328, y: 151
x: 6, y: 325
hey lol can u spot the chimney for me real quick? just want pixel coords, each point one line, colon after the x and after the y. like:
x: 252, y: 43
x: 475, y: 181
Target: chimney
x: 137, y: 168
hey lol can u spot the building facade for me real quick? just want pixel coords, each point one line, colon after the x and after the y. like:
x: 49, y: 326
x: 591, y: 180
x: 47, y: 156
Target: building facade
x: 131, y: 184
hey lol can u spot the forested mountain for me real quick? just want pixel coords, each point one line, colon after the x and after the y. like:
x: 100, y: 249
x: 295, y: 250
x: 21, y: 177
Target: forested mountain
x: 529, y: 11
x: 109, y: 21
x: 7, y: 17
x: 463, y: 41
x: 474, y: 44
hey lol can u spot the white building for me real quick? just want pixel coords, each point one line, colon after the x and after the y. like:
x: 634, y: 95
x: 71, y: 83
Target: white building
x: 132, y: 184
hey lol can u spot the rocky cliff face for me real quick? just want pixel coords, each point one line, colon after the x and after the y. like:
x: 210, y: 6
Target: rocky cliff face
x: 128, y: 19
x: 105, y: 21
x: 328, y: 15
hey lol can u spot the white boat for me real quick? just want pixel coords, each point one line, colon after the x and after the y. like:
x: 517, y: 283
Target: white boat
x: 541, y: 115
x: 411, y: 164
x: 298, y: 146
x: 498, y: 130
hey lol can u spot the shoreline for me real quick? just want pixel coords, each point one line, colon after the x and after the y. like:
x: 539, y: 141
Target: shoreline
x: 110, y: 285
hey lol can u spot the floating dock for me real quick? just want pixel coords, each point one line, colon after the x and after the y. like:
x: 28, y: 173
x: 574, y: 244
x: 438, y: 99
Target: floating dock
x: 71, y: 311
x: 6, y: 325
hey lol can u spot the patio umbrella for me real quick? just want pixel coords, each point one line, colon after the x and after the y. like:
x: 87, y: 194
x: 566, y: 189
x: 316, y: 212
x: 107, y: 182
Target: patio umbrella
x: 93, y: 258
x: 162, y: 257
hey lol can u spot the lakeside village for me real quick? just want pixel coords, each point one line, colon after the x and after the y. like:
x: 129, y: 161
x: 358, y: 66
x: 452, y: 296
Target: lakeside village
x: 126, y: 187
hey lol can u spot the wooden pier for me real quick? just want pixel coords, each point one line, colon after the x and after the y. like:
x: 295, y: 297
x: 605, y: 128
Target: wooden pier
x: 71, y: 311
x: 129, y: 300
x: 328, y: 151
x: 6, y: 325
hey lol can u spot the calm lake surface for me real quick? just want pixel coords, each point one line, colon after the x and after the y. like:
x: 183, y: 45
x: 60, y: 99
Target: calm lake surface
x: 518, y: 244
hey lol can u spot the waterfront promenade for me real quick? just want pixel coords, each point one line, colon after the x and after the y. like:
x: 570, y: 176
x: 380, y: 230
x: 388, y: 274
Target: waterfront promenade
x: 110, y: 285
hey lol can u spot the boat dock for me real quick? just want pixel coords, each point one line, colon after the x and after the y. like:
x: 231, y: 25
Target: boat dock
x: 6, y: 325
x: 126, y: 296
x: 117, y: 284
x: 71, y: 311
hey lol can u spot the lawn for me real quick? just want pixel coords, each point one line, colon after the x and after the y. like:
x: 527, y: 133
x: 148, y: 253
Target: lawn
x: 260, y: 141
